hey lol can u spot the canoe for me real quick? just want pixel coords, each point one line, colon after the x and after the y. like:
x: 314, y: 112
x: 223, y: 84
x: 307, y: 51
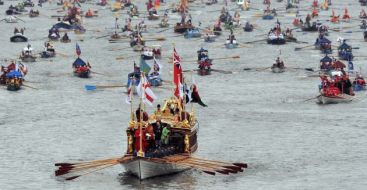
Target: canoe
x: 18, y: 38
x: 343, y: 98
x: 144, y: 168
x: 277, y: 69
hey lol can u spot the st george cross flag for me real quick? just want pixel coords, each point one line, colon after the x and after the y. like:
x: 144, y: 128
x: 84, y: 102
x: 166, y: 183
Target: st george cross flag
x: 145, y: 91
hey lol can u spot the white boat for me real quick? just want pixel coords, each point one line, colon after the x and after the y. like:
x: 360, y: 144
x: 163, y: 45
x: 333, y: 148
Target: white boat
x: 145, y: 168
x: 343, y: 98
x: 277, y: 69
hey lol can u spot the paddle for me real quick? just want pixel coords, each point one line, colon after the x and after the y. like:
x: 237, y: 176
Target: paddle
x: 95, y: 87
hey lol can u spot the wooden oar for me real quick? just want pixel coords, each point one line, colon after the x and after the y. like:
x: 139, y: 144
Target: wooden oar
x: 165, y: 29
x: 98, y: 73
x: 76, y: 168
x: 63, y: 55
x: 156, y: 39
x: 312, y: 98
x: 300, y: 48
x: 218, y: 58
x: 222, y: 71
x: 30, y: 87
x: 263, y: 69
x: 95, y: 87
x: 255, y: 41
x: 122, y: 57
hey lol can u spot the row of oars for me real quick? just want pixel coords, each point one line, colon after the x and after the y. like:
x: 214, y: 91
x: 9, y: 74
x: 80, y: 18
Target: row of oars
x: 207, y: 166
x: 74, y: 170
x: 218, y: 58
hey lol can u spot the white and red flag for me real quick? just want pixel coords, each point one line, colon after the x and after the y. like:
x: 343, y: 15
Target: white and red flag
x: 145, y: 91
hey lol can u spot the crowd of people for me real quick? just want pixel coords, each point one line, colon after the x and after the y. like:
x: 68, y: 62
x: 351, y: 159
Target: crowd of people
x: 14, y: 71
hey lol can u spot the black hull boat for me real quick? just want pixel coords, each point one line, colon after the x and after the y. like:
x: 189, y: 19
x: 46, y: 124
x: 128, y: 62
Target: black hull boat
x: 18, y: 38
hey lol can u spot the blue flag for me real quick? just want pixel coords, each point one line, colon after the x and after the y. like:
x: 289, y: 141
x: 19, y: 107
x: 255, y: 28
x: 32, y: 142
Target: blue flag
x: 144, y: 67
x: 77, y: 49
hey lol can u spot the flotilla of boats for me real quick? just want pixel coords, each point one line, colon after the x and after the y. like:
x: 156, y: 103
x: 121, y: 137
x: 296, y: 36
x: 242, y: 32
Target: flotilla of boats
x: 165, y: 141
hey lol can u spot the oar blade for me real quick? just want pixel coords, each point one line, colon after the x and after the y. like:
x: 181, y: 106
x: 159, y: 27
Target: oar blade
x: 90, y: 87
x: 71, y: 178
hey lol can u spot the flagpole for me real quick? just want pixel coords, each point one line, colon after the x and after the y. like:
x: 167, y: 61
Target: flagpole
x: 140, y: 153
x: 173, y: 60
x: 184, y: 99
x: 131, y: 99
x: 191, y: 104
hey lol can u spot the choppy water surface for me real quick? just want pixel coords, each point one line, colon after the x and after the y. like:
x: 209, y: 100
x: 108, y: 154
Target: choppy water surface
x: 256, y: 117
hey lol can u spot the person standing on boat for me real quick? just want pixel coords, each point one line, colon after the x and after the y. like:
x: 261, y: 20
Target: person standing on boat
x: 157, y: 134
x: 183, y: 18
x: 165, y: 135
x: 138, y: 112
x: 137, y: 140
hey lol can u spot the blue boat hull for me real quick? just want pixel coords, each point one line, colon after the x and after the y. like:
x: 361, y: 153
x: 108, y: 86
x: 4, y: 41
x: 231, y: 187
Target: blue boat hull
x: 268, y: 17
x: 358, y: 87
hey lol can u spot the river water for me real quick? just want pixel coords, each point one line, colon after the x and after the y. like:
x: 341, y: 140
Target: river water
x: 259, y: 118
